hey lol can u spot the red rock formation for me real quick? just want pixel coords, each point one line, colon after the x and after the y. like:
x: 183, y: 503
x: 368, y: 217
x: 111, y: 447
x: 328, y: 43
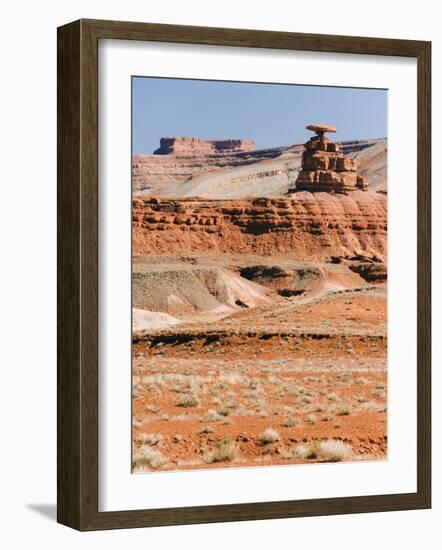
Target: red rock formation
x: 152, y: 174
x: 371, y: 271
x: 194, y: 145
x: 325, y: 168
x: 311, y: 226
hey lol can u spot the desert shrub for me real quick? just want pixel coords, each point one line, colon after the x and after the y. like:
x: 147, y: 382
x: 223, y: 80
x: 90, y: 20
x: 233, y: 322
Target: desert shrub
x: 334, y: 450
x: 224, y: 411
x: 306, y: 399
x: 136, y: 422
x: 328, y: 450
x: 361, y: 399
x: 212, y: 416
x: 146, y: 456
x: 344, y: 411
x: 206, y: 430
x: 225, y: 451
x: 254, y: 383
x: 149, y: 439
x: 269, y: 436
x: 188, y: 401
x: 291, y: 421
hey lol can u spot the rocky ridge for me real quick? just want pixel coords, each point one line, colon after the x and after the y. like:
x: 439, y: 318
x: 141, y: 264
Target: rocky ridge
x: 312, y: 226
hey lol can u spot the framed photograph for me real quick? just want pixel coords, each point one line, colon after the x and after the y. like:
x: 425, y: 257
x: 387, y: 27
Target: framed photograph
x: 243, y: 275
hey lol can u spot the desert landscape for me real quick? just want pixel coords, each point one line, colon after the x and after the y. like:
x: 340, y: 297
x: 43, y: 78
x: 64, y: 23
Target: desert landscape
x: 259, y: 291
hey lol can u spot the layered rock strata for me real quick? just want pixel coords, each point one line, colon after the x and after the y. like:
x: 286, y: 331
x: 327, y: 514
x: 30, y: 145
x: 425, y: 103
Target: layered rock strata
x: 311, y: 226
x: 325, y: 168
x: 193, y: 145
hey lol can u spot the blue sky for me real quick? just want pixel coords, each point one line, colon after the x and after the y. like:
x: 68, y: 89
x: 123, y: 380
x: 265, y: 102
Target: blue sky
x: 269, y: 114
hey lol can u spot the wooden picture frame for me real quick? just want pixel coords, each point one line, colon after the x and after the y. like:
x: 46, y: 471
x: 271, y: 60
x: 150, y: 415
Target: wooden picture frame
x: 78, y: 274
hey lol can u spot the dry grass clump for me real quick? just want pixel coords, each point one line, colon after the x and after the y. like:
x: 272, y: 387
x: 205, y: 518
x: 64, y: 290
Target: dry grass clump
x: 334, y: 450
x: 362, y: 399
x: 306, y: 399
x: 212, y: 416
x: 230, y: 378
x: 146, y: 456
x: 254, y: 384
x: 206, y: 430
x: 187, y: 401
x: 291, y: 421
x: 149, y: 439
x: 269, y: 436
x: 328, y: 450
x: 344, y: 411
x: 225, y: 451
x: 224, y: 411
x: 136, y: 422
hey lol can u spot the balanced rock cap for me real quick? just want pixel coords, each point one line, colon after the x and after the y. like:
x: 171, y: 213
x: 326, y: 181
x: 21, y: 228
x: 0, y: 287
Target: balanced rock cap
x: 321, y: 128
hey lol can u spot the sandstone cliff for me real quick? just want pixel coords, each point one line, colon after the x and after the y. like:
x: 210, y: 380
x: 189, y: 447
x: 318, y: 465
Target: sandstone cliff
x: 194, y: 145
x: 311, y: 226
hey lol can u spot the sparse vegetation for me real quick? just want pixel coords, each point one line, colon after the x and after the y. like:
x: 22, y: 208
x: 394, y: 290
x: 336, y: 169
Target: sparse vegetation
x: 149, y: 439
x: 269, y: 436
x: 187, y: 401
x: 250, y: 387
x: 206, y: 430
x: 225, y: 451
x: 212, y: 416
x: 224, y: 411
x: 291, y: 421
x: 329, y: 450
x: 146, y: 456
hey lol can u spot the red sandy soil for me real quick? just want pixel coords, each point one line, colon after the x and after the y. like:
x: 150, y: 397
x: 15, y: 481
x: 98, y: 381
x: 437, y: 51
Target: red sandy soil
x: 318, y: 362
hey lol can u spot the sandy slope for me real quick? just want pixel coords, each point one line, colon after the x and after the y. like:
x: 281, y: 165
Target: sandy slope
x: 372, y: 164
x: 148, y: 321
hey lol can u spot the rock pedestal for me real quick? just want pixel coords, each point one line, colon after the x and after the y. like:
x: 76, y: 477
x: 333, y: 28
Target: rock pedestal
x: 325, y: 168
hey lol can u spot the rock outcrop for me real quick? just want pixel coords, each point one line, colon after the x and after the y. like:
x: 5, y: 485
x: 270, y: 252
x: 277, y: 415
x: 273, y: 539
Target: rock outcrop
x: 194, y: 145
x: 311, y: 226
x: 325, y: 168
